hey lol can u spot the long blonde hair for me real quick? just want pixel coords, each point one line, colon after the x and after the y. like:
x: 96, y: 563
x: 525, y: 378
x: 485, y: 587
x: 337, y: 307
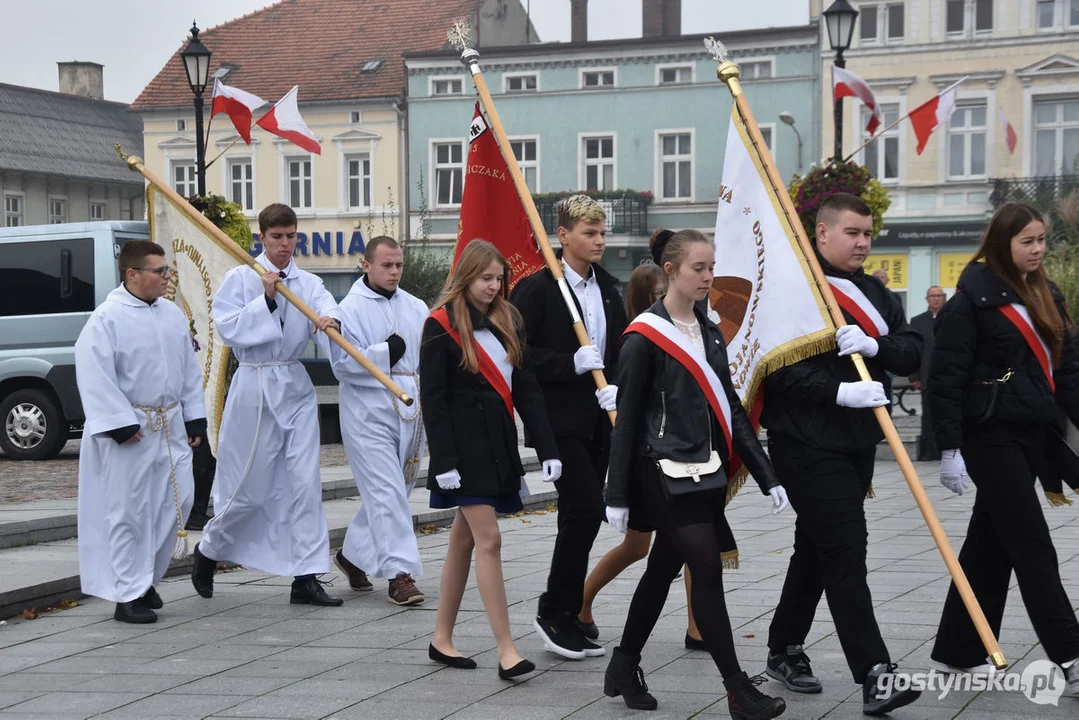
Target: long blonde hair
x: 474, y: 261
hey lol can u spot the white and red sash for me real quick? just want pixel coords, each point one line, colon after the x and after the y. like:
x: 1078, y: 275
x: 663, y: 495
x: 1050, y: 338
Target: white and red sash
x: 857, y: 305
x: 672, y: 341
x: 1020, y: 317
x: 487, y: 367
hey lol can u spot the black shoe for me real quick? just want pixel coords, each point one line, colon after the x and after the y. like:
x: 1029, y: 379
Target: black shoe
x: 588, y: 629
x: 134, y: 612
x: 522, y: 668
x: 880, y: 698
x: 792, y: 669
x: 693, y: 643
x: 197, y: 520
x: 454, y: 661
x: 624, y: 677
x: 746, y: 702
x: 202, y: 573
x: 561, y: 638
x: 1071, y: 673
x: 151, y: 599
x: 307, y: 590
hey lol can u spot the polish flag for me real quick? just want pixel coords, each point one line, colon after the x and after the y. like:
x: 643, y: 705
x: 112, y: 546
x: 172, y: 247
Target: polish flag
x: 284, y: 120
x: 1009, y: 132
x: 933, y: 113
x: 847, y: 84
x: 237, y: 104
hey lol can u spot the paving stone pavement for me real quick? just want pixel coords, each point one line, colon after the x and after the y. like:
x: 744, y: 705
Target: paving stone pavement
x: 247, y: 653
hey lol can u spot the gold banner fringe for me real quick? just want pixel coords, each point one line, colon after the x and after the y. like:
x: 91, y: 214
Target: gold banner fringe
x: 729, y: 559
x: 869, y: 494
x: 1058, y: 499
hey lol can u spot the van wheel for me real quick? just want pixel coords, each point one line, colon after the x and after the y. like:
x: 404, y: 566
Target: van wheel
x: 31, y: 425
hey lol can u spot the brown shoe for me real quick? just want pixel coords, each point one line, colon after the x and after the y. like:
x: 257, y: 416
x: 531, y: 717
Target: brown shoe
x: 403, y: 590
x: 357, y: 579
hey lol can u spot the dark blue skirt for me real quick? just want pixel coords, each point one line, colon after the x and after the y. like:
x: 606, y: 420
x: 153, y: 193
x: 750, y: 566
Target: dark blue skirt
x: 503, y: 504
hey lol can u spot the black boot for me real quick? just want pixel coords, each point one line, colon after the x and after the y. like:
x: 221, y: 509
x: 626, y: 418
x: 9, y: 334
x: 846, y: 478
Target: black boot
x: 307, y: 590
x: 746, y: 702
x: 202, y: 573
x: 197, y: 520
x: 134, y: 612
x: 879, y: 696
x: 151, y: 599
x: 624, y: 677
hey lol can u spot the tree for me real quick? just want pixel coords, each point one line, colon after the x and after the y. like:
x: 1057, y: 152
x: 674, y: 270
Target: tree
x: 426, y: 268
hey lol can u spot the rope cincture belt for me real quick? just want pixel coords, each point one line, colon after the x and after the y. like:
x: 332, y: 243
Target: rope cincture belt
x: 157, y: 419
x: 412, y: 464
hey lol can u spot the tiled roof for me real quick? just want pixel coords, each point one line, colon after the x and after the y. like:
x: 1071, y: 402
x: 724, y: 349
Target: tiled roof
x: 320, y: 45
x: 66, y: 135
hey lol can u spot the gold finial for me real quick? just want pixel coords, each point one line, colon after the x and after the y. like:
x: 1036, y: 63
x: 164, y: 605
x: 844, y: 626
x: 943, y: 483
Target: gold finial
x: 120, y: 150
x: 728, y: 73
x: 716, y: 49
x: 460, y: 35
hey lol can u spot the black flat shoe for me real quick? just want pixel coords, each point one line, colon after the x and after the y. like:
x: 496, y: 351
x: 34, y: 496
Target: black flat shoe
x: 694, y: 644
x: 588, y: 629
x: 454, y: 661
x: 134, y: 612
x: 202, y: 573
x: 522, y: 668
x: 152, y: 600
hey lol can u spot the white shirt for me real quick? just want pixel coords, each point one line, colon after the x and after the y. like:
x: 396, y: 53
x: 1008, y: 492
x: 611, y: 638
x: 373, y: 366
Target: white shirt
x: 591, y: 301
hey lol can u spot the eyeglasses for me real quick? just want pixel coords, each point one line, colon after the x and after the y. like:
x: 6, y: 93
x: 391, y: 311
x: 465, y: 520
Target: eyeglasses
x: 160, y: 271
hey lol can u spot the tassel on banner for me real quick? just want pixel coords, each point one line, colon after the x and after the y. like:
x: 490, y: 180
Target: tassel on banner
x: 1058, y: 499
x: 729, y: 560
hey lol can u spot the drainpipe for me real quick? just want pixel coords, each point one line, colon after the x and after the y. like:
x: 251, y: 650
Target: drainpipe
x: 403, y: 175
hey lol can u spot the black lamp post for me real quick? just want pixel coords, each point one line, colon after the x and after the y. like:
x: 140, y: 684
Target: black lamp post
x: 197, y: 64
x: 839, y: 19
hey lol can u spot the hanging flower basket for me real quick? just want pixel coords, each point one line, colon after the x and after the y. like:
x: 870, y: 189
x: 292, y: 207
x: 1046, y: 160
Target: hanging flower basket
x: 809, y: 192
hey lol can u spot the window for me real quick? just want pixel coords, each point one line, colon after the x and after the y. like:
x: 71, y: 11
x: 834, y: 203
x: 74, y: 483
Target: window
x: 766, y: 133
x: 242, y: 183
x: 98, y: 210
x: 597, y: 78
x: 680, y: 75
x: 1046, y: 14
x: 355, y: 117
x: 299, y: 182
x: 359, y: 180
x: 448, y: 86
x: 13, y: 207
x: 881, y: 157
x: 520, y: 83
x: 47, y: 278
x: 181, y: 126
x: 676, y: 166
x: 883, y: 22
x: 1073, y: 16
x: 598, y: 168
x: 957, y: 23
x: 966, y: 142
x: 525, y: 152
x: 372, y: 66
x: 184, y: 179
x: 1056, y: 137
x: 983, y: 15
x: 868, y: 19
x: 755, y: 70
x: 57, y: 210
x: 449, y: 173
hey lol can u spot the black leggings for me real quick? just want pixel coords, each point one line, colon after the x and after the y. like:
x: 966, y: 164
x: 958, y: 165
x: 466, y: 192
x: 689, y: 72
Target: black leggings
x: 696, y: 545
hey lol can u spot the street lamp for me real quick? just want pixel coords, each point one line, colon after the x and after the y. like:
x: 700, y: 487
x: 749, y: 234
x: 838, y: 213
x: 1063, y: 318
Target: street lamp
x: 839, y: 19
x: 197, y: 64
x: 788, y: 119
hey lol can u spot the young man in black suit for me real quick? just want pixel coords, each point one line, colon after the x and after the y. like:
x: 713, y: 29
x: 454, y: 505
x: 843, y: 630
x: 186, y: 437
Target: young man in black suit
x: 581, y: 425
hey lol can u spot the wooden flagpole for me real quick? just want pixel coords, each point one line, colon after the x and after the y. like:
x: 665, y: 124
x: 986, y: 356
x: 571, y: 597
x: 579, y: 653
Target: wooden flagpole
x: 459, y: 35
x: 728, y: 73
x: 242, y: 257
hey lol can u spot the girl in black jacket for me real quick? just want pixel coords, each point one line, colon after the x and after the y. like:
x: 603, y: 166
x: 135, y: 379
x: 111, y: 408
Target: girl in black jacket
x: 473, y: 374
x: 1002, y: 365
x: 664, y: 414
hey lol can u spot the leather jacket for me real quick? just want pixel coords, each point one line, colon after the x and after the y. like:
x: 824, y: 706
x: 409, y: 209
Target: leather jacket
x: 662, y: 412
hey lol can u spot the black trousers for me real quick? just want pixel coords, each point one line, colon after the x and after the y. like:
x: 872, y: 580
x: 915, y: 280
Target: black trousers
x: 827, y: 490
x: 1007, y: 530
x: 927, y: 444
x: 203, y: 467
x: 581, y: 511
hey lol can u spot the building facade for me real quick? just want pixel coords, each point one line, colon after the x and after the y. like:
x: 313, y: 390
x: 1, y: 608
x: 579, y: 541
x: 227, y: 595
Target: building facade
x: 1020, y: 59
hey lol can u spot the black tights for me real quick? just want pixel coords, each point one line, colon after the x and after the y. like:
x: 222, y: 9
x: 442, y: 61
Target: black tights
x: 695, y: 545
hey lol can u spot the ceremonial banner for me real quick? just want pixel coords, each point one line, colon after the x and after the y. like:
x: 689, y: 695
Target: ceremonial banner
x: 199, y: 265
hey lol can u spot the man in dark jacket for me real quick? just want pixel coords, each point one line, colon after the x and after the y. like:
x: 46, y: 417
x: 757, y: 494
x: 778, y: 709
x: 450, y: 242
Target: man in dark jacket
x: 923, y: 323
x: 822, y: 439
x: 582, y: 427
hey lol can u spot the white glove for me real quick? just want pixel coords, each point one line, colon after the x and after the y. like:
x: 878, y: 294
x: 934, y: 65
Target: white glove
x: 861, y: 394
x: 449, y: 480
x: 552, y: 470
x: 953, y: 471
x: 852, y: 339
x: 587, y: 358
x: 607, y: 397
x: 779, y: 499
x: 618, y: 518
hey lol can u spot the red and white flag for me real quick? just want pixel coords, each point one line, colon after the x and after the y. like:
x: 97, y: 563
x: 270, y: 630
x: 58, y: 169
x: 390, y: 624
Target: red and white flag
x: 847, y: 84
x: 933, y: 113
x: 1009, y: 132
x: 237, y: 104
x: 284, y: 120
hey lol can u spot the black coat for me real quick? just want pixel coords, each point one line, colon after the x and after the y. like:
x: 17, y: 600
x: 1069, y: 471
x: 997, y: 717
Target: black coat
x: 654, y: 389
x: 923, y: 323
x: 799, y: 400
x: 570, y: 398
x: 976, y: 342
x: 467, y: 425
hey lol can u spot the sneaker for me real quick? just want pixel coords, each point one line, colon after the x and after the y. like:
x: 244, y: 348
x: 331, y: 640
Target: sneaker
x: 561, y: 639
x: 746, y: 702
x: 792, y: 669
x: 357, y: 579
x: 880, y: 698
x: 590, y: 648
x: 1072, y: 674
x: 403, y: 591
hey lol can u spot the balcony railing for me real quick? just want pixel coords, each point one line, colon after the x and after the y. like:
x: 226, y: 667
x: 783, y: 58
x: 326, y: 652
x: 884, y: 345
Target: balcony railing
x: 626, y: 214
x: 1041, y: 192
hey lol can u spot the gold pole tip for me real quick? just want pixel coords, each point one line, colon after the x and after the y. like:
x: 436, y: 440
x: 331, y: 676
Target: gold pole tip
x: 133, y: 162
x: 727, y: 71
x: 998, y: 661
x: 407, y: 399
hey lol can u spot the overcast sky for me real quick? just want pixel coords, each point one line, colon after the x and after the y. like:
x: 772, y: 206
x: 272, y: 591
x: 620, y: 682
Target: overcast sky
x: 134, y: 38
